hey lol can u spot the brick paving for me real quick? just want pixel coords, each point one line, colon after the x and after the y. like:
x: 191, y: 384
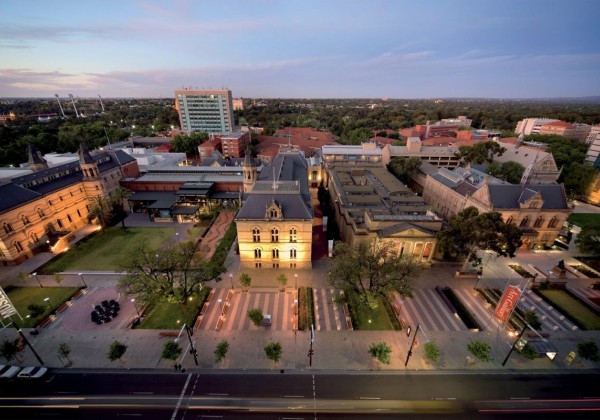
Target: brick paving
x: 216, y: 232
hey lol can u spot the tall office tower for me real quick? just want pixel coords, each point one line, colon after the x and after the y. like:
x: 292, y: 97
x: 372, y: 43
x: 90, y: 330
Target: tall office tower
x: 210, y: 111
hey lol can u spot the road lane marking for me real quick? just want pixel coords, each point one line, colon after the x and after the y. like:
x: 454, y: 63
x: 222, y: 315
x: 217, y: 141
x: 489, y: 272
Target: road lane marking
x: 181, y: 396
x: 142, y: 393
x: 519, y: 398
x: 216, y: 394
x: 369, y: 398
x: 293, y: 396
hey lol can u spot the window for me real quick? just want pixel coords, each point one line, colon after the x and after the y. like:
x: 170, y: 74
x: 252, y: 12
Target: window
x: 273, y: 213
x: 69, y: 218
x: 293, y: 235
x: 274, y: 235
x: 538, y: 222
x: 552, y: 223
x: 257, y: 265
x: 293, y: 254
x: 59, y: 223
x: 7, y: 227
x: 25, y: 220
x: 257, y: 253
x: 509, y: 220
x: 78, y: 213
x: 18, y: 246
x: 40, y: 213
x: 275, y: 265
x: 255, y: 235
x: 524, y: 222
x: 275, y: 253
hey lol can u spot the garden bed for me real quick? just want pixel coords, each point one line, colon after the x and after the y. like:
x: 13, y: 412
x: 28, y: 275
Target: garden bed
x: 521, y: 271
x: 585, y: 271
x: 577, y: 313
x: 21, y: 297
x: 465, y: 315
x: 171, y: 316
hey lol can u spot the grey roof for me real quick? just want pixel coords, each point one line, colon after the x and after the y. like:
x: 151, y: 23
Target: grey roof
x: 34, y: 155
x: 401, y: 227
x: 507, y: 196
x: 84, y: 155
x: 12, y: 195
x: 121, y: 157
x: 292, y: 206
x: 287, y: 166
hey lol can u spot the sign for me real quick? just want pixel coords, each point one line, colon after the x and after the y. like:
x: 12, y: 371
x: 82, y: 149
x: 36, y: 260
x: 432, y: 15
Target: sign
x: 6, y: 307
x: 507, y: 303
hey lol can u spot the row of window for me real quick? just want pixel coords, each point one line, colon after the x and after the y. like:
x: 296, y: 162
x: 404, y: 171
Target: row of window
x: 274, y: 253
x: 274, y: 234
x: 537, y: 224
x: 9, y: 229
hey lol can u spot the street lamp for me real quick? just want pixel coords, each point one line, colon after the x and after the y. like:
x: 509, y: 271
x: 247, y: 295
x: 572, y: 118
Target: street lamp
x: 220, y: 301
x: 47, y: 300
x: 231, y: 279
x: 296, y: 280
x: 177, y: 236
x: 37, y: 278
x: 412, y: 345
x: 478, y: 278
x: 135, y: 307
x: 83, y: 280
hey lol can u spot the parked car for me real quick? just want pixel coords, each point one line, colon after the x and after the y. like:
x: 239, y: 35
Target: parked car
x: 32, y: 372
x: 10, y: 372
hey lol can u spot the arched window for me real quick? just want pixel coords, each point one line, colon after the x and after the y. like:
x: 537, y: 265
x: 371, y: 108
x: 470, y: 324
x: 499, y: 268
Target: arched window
x: 510, y: 220
x: 538, y: 222
x: 18, y: 246
x: 25, y: 220
x: 7, y: 227
x: 273, y: 213
x: 293, y: 235
x: 274, y: 235
x: 293, y: 254
x: 257, y: 253
x: 255, y: 235
x: 40, y: 213
x: 275, y: 253
x: 552, y: 223
x: 524, y: 222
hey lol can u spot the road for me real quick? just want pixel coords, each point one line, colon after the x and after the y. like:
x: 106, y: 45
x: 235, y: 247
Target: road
x: 306, y: 395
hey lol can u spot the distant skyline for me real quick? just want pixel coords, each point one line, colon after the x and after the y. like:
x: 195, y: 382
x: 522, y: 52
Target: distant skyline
x: 301, y: 48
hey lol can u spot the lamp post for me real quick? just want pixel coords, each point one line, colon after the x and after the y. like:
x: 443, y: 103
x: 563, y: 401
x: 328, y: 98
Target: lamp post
x: 28, y: 343
x: 515, y: 344
x: 231, y: 279
x: 135, y: 307
x: 37, y: 278
x: 47, y: 300
x: 83, y: 280
x: 296, y: 280
x: 220, y: 301
x: 412, y: 344
x: 295, y: 315
x: 477, y: 281
x: 177, y: 236
x: 192, y: 349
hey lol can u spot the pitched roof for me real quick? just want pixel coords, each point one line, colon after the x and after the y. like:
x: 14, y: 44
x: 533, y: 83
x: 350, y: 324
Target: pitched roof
x: 401, y: 227
x: 292, y: 206
x: 14, y: 195
x: 508, y: 196
x: 84, y: 155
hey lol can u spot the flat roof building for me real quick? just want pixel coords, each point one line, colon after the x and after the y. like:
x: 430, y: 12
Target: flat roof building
x: 210, y: 111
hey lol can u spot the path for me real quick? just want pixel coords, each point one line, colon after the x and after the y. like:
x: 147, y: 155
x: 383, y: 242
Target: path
x: 217, y: 230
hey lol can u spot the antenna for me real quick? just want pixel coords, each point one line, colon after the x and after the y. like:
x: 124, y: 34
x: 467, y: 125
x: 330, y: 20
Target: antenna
x: 74, y: 107
x: 101, y: 104
x: 60, y: 105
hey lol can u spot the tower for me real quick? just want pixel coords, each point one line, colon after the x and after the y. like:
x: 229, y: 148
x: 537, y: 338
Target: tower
x: 35, y: 159
x: 249, y: 171
x: 87, y: 163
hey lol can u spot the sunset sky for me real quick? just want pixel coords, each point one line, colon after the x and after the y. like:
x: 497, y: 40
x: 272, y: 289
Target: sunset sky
x: 301, y: 48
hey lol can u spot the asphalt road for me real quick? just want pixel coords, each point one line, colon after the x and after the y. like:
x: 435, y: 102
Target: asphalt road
x: 231, y: 395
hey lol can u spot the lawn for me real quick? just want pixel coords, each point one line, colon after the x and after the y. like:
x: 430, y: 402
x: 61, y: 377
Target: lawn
x: 172, y: 316
x: 572, y: 308
x: 582, y: 219
x: 22, y: 297
x: 372, y: 319
x: 104, y: 250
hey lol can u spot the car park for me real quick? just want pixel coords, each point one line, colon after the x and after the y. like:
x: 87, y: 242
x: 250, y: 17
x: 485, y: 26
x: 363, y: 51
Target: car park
x: 10, y: 372
x: 32, y: 372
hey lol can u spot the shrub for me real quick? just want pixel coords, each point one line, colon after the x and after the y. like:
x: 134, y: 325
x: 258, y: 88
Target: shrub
x: 221, y: 350
x: 381, y: 351
x: 116, y: 351
x: 256, y: 316
x: 302, y: 313
x: 35, y: 310
x: 273, y: 351
x: 432, y: 352
x: 528, y: 352
x: 588, y: 350
x: 310, y: 307
x: 171, y: 350
x: 532, y: 319
x: 245, y: 280
x: 480, y: 350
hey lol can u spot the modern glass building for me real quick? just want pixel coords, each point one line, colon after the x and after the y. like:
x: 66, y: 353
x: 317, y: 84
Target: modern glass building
x: 210, y: 111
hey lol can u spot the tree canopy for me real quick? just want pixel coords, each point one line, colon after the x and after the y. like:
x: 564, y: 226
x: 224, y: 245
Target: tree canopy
x: 588, y: 240
x: 483, y: 152
x: 371, y: 270
x: 509, y: 171
x: 188, y: 144
x: 470, y: 230
x: 404, y: 168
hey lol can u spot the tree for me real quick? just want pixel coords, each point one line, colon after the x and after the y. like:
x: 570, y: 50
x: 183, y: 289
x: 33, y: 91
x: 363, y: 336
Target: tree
x: 118, y: 198
x: 221, y: 350
x: 528, y: 352
x: 381, y: 351
x: 404, y: 168
x: 432, y: 352
x: 282, y: 280
x: 171, y: 350
x: 533, y: 320
x: 58, y: 278
x: 480, y: 350
x: 101, y: 209
x: 482, y: 152
x: 175, y: 271
x: 588, y: 240
x: 35, y: 309
x: 245, y: 281
x: 9, y: 350
x: 256, y: 316
x: 509, y: 171
x: 588, y: 350
x: 116, y: 351
x: 273, y: 351
x: 371, y: 271
x: 470, y: 230
x: 64, y: 350
x: 189, y: 144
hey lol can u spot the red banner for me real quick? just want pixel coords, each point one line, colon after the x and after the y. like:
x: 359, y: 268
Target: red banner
x: 507, y: 302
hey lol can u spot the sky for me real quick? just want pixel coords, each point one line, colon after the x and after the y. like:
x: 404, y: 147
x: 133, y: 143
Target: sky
x: 301, y: 48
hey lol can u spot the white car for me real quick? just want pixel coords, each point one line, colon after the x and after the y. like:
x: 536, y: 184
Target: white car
x: 32, y: 372
x: 10, y: 372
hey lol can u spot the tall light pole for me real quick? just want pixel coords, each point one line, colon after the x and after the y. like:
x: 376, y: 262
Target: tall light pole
x: 83, y: 280
x: 478, y: 278
x: 192, y: 349
x: 296, y: 280
x: 47, y: 300
x: 135, y: 307
x: 220, y: 301
x: 37, y: 278
x: 28, y: 343
x: 231, y: 279
x: 177, y: 236
x: 515, y: 344
x: 412, y: 344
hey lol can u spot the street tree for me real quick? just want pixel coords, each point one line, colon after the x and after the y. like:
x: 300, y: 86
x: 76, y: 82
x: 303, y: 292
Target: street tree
x: 533, y: 320
x: 371, y: 270
x: 273, y: 351
x: 527, y: 351
x: 35, y: 310
x: 588, y: 350
x: 118, y: 198
x: 9, y: 350
x: 480, y: 350
x: 58, y: 278
x: 221, y: 350
x: 171, y: 350
x: 173, y: 272
x: 64, y: 350
x: 588, y: 240
x: 282, y: 280
x: 432, y: 352
x: 256, y: 316
x: 482, y: 152
x: 116, y: 351
x: 469, y: 231
x: 245, y: 281
x: 101, y: 209
x: 381, y: 352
